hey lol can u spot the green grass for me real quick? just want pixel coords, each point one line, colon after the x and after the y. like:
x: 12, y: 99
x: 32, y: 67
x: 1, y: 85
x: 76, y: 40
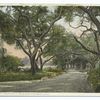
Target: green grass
x: 55, y: 70
x: 18, y: 76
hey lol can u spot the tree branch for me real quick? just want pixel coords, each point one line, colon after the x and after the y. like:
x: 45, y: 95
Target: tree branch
x: 22, y: 47
x: 92, y: 16
x: 47, y: 60
x: 96, y: 40
x: 52, y: 23
x: 88, y: 30
x: 84, y: 47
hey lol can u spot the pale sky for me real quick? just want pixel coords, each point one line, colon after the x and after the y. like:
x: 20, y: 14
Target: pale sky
x: 68, y: 28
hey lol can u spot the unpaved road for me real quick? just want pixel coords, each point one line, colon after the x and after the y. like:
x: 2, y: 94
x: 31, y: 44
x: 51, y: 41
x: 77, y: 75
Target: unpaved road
x: 71, y: 81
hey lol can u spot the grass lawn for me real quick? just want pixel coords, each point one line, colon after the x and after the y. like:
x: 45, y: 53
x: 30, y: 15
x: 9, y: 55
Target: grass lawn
x: 18, y: 76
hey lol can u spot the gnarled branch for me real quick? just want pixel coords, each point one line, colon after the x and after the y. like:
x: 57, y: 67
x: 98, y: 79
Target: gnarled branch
x: 84, y: 47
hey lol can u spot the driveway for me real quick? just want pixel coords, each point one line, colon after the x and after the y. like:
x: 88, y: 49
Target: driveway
x: 71, y: 81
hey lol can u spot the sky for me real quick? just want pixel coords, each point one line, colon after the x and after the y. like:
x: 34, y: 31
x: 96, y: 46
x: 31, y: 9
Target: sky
x: 68, y: 28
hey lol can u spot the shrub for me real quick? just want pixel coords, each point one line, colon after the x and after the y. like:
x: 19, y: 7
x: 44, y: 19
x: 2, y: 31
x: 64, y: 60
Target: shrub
x: 10, y: 63
x: 94, y: 78
x: 17, y: 76
x: 56, y: 70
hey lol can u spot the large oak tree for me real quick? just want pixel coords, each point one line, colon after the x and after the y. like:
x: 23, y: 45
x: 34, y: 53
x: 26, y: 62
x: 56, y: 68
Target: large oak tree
x: 31, y: 26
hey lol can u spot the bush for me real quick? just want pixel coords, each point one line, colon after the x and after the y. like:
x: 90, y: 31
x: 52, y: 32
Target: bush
x: 94, y: 78
x: 10, y: 63
x: 56, y: 70
x: 17, y: 76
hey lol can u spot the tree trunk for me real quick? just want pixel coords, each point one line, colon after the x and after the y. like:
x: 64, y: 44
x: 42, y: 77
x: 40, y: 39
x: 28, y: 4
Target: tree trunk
x: 33, y: 70
x: 36, y: 66
x: 41, y: 63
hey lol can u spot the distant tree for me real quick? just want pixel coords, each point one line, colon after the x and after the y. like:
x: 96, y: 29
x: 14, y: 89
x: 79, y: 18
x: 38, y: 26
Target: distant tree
x: 62, y: 47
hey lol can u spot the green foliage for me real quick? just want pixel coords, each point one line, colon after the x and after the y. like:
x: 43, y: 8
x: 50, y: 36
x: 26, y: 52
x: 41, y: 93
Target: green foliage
x: 94, y: 77
x: 6, y: 26
x: 57, y: 39
x: 68, y: 12
x: 57, y: 44
x: 89, y: 41
x: 11, y: 76
x: 62, y: 44
x: 56, y: 70
x: 37, y: 15
x: 27, y: 25
x: 10, y: 63
x: 31, y: 26
x: 25, y: 21
x: 18, y: 76
x: 5, y: 22
x: 60, y: 61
